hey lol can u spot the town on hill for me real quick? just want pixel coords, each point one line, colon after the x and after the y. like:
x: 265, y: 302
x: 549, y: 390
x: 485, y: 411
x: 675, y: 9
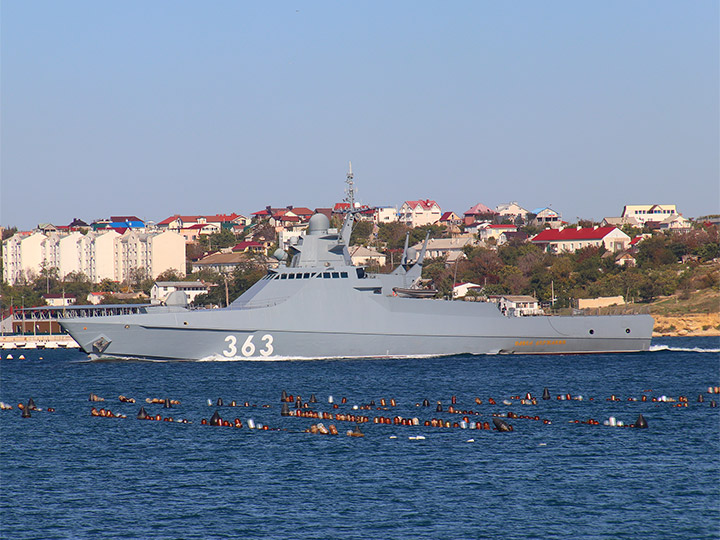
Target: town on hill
x: 647, y: 252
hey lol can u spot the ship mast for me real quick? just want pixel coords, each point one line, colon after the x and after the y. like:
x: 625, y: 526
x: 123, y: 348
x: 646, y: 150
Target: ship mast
x: 351, y: 187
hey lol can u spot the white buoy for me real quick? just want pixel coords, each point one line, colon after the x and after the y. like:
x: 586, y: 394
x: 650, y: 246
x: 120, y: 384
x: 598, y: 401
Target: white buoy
x: 620, y: 424
x: 507, y: 402
x: 463, y: 424
x: 251, y: 424
x: 393, y: 437
x: 612, y: 421
x: 330, y: 399
x: 9, y: 357
x: 209, y: 403
x: 21, y: 357
x: 470, y: 440
x: 355, y: 407
x: 416, y: 421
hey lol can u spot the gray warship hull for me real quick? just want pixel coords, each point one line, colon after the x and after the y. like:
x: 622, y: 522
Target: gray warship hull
x: 317, y: 304
x: 372, y: 325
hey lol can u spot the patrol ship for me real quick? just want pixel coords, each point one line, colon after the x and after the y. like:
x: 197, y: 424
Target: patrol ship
x: 317, y: 304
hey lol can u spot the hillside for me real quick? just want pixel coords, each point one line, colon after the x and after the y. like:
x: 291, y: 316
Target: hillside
x: 696, y: 314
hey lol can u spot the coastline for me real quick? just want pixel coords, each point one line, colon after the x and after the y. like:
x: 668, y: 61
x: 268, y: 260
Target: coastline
x: 690, y: 324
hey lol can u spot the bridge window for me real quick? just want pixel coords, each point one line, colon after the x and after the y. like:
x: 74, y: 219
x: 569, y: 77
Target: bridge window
x: 336, y: 275
x: 326, y: 275
x: 343, y: 274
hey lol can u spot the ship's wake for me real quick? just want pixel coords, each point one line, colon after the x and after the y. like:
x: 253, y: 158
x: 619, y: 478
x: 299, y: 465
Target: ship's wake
x: 661, y: 348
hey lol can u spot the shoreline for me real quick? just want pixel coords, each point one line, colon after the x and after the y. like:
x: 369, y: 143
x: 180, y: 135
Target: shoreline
x: 688, y: 325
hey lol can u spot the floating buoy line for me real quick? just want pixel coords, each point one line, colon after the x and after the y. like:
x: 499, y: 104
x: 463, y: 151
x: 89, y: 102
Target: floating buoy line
x: 482, y: 414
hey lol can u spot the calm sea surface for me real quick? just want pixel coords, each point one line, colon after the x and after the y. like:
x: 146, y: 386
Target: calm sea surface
x: 67, y: 474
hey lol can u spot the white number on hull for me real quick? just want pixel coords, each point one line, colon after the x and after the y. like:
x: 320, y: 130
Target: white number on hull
x: 268, y: 350
x: 232, y: 349
x: 248, y: 347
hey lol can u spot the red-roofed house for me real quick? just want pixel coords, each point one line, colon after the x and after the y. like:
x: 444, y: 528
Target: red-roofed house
x: 249, y: 246
x: 419, y: 213
x: 479, y: 212
x: 450, y: 219
x: 570, y: 240
x: 192, y: 233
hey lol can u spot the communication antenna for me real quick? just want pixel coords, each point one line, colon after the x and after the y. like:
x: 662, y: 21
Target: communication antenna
x: 351, y: 187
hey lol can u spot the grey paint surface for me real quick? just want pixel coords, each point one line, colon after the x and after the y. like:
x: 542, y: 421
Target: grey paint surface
x: 331, y: 309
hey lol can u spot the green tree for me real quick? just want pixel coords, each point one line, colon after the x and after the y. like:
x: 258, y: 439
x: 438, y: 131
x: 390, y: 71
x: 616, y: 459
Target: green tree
x: 361, y: 233
x: 392, y: 234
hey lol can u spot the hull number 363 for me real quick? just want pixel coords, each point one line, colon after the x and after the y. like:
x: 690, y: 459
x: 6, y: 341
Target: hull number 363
x: 248, y: 347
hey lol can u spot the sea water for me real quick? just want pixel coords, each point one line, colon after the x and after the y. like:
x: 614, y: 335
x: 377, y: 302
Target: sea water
x: 67, y: 474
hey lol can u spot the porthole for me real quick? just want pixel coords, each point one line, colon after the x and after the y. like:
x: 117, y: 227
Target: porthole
x: 127, y: 326
x: 185, y: 323
x: 592, y: 331
x: 627, y: 330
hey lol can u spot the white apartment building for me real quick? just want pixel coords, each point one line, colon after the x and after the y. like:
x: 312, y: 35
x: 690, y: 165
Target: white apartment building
x: 98, y: 255
x: 649, y: 212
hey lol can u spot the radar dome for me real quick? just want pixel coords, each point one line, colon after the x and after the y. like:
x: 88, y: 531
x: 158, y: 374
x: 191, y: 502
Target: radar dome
x: 280, y: 255
x: 318, y: 224
x: 411, y: 254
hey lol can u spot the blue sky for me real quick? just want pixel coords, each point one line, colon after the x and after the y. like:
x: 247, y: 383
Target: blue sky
x: 164, y: 107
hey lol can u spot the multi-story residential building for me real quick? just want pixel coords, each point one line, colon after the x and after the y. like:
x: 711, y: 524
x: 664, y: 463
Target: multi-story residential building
x: 649, y: 212
x: 385, y: 214
x: 511, y: 211
x: 99, y: 255
x: 419, y: 213
x: 547, y: 217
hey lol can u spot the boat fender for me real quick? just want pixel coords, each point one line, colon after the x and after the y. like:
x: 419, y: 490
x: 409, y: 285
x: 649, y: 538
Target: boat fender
x: 313, y: 399
x: 426, y: 403
x: 701, y: 398
x: 713, y: 404
x: 298, y: 403
x: 439, y: 407
x: 219, y: 402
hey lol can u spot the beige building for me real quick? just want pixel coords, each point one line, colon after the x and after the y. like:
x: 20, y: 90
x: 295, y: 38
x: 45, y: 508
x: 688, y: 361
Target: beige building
x: 363, y: 256
x: 98, y: 255
x: 419, y: 213
x: 649, y: 212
